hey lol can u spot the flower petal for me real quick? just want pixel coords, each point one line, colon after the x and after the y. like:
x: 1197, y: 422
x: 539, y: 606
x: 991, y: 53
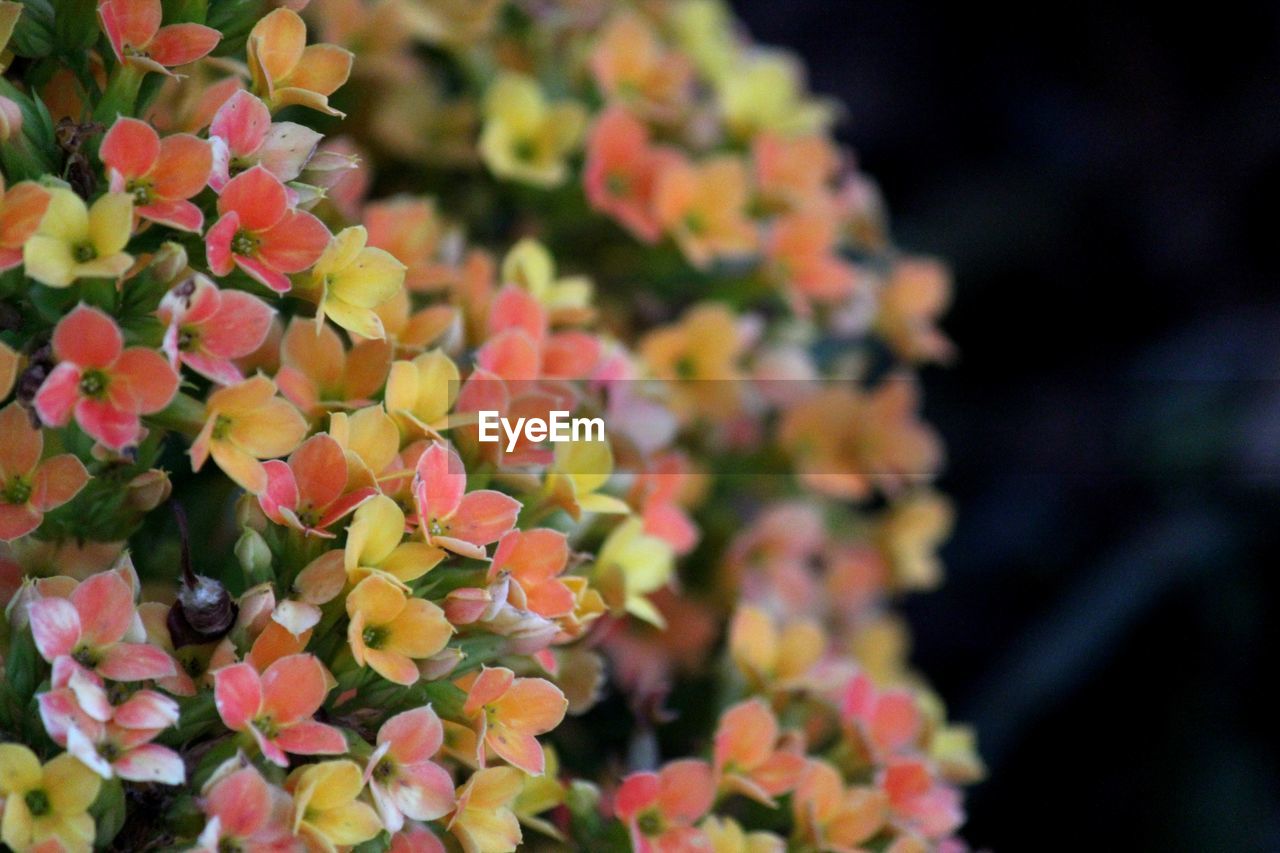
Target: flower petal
x: 131, y: 147
x: 237, y: 692
x: 57, y: 480
x: 179, y: 44
x: 87, y: 337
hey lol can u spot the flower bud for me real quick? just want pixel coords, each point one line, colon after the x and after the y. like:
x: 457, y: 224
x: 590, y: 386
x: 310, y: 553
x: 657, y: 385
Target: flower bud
x: 169, y: 263
x: 10, y: 119
x: 148, y: 490
x: 440, y: 664
x: 254, y: 556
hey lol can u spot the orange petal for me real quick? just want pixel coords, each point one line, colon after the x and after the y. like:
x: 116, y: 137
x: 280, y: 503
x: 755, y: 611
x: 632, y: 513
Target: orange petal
x: 57, y: 481
x: 22, y: 445
x: 183, y: 166
x: 322, y: 68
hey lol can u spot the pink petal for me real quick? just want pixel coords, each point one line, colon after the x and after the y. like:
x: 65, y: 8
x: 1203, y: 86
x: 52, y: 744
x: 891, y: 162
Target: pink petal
x: 150, y: 379
x: 113, y: 427
x: 178, y: 44
x: 57, y: 397
x: 56, y: 481
x: 489, y: 686
x: 484, y: 516
x: 311, y: 738
x: 55, y: 627
x: 151, y: 763
x: 18, y: 520
x: 242, y: 801
x: 105, y: 604
x: 146, y: 709
x: 243, y: 121
x: 257, y: 196
x: 516, y: 748
x: 427, y: 792
x: 414, y: 736
x: 88, y: 338
x: 512, y: 355
x: 183, y: 167
x: 137, y: 20
x: 439, y: 482
x: 217, y: 243
x: 237, y: 692
x: 221, y: 370
x: 287, y: 148
x: 179, y: 214
x: 281, y: 491
x: 131, y: 147
x: 135, y: 662
x: 320, y: 468
x: 239, y: 327
x: 261, y: 272
x: 570, y: 355
x: 293, y: 688
x: 294, y: 243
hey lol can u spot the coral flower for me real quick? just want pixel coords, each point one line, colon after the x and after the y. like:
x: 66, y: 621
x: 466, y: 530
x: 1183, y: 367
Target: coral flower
x: 525, y: 138
x: 747, y: 759
x: 833, y: 817
x: 353, y: 279
x: 801, y: 256
x: 46, y: 804
x: 286, y: 70
x: 660, y: 809
x: 309, y: 493
x: 161, y: 174
x: 509, y: 712
x: 389, y: 630
x: 246, y: 422
x: 276, y: 707
x: 483, y: 822
x: 75, y: 241
x: 403, y: 779
x: 374, y: 543
x: 319, y: 372
x: 326, y: 811
x: 245, y: 813
x: 631, y: 65
x: 206, y: 328
x: 22, y: 206
x: 622, y: 170
x: 133, y: 28
x: 449, y: 516
x: 920, y: 800
x: 105, y: 386
x: 259, y: 232
x: 794, y: 172
x: 704, y: 208
x: 98, y: 628
x: 242, y: 136
x: 29, y: 486
x: 887, y: 722
x: 534, y: 559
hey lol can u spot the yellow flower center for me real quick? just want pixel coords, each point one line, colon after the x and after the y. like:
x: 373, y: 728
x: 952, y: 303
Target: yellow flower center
x: 84, y: 252
x: 374, y: 636
x: 37, y: 802
x: 221, y: 426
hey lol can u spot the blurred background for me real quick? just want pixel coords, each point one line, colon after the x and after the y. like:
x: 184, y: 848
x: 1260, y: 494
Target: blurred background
x: 1103, y: 182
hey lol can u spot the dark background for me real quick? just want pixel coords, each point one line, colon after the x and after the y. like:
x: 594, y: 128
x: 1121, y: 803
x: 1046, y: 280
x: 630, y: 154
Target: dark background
x: 1104, y: 182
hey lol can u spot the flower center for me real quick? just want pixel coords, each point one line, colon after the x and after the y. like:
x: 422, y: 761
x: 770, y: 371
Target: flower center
x: 524, y: 150
x: 437, y: 527
x: 85, y: 656
x: 16, y: 491
x: 685, y: 368
x: 93, y: 383
x: 374, y: 636
x: 37, y: 802
x: 221, y: 426
x: 384, y: 770
x: 244, y: 243
x: 109, y: 751
x: 695, y: 223
x: 141, y: 192
x: 84, y: 252
x: 617, y: 184
x: 267, y: 727
x: 229, y: 845
x: 188, y: 339
x: 649, y: 823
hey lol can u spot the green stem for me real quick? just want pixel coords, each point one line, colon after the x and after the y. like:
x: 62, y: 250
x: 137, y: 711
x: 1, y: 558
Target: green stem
x: 185, y: 414
x: 121, y: 96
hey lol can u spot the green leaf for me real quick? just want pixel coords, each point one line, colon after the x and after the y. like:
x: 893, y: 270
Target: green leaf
x: 75, y: 25
x: 33, y: 35
x: 108, y: 812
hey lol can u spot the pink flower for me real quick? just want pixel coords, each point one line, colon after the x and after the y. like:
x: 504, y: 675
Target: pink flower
x: 449, y: 517
x: 534, y: 559
x: 98, y: 628
x: 309, y: 493
x: 243, y: 136
x: 206, y: 328
x: 161, y: 174
x: 521, y: 347
x: 510, y: 712
x: 133, y: 28
x: 920, y: 799
x: 245, y: 813
x: 119, y: 745
x: 660, y: 809
x: 887, y: 722
x: 30, y: 486
x: 403, y: 779
x: 103, y: 384
x: 276, y: 707
x: 259, y: 232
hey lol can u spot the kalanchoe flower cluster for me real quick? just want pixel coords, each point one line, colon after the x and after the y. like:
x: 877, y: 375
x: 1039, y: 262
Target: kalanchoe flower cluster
x: 382, y: 631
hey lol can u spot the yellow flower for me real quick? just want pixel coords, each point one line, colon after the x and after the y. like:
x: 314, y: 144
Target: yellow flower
x: 75, y: 241
x: 421, y: 392
x: 727, y: 836
x: 369, y: 439
x: 374, y: 543
x: 354, y: 279
x: 632, y: 564
x: 389, y: 630
x: 531, y: 266
x: 49, y: 802
x: 770, y: 657
x: 525, y: 138
x: 766, y: 92
x: 705, y: 30
x: 579, y: 469
x: 483, y: 821
x: 245, y: 423
x: 325, y: 810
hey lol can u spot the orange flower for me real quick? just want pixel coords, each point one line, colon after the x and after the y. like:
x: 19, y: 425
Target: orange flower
x: 509, y: 712
x: 794, y: 172
x: 534, y: 559
x: 134, y: 31
x: 622, y: 170
x: 915, y: 296
x: 245, y: 423
x: 632, y: 65
x: 161, y: 174
x: 389, y: 630
x: 30, y: 487
x: 833, y: 817
x: 747, y: 757
x: 769, y: 657
x: 704, y: 208
x: 699, y: 355
x: 660, y: 809
x: 846, y: 442
x: 309, y: 493
x: 286, y: 70
x: 22, y: 207
x: 318, y: 372
x: 801, y: 256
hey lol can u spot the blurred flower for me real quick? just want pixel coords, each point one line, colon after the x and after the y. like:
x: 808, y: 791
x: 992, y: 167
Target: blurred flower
x: 661, y: 809
x: 632, y: 66
x: 704, y: 208
x: 769, y: 657
x: 631, y: 564
x: 833, y: 817
x: 244, y: 812
x: 525, y: 138
x: 748, y: 759
x: 22, y: 207
x: 916, y: 294
x: 622, y: 172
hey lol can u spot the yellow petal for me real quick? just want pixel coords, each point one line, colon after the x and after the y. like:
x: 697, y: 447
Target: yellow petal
x: 71, y: 786
x: 411, y: 560
x: 372, y: 278
x: 348, y: 824
x: 364, y: 322
x: 49, y: 260
x: 19, y: 769
x: 110, y: 223
x: 66, y: 217
x: 376, y: 530
x: 341, y: 251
